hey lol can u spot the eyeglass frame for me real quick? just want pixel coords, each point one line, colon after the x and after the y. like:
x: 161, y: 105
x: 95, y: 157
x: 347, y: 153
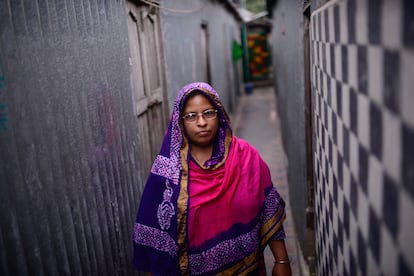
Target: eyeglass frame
x: 197, y: 115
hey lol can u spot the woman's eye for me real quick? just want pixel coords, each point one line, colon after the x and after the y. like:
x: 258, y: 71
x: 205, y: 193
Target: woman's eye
x: 190, y: 116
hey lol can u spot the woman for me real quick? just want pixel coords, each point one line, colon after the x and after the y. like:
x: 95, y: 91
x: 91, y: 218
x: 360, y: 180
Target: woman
x: 209, y: 206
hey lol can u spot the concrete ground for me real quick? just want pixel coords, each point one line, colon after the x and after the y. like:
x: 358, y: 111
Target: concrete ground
x: 257, y: 121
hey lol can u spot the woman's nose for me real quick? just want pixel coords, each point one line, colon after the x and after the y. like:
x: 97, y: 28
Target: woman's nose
x: 201, y: 120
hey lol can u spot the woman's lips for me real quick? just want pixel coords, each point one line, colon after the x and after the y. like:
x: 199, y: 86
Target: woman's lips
x: 203, y: 133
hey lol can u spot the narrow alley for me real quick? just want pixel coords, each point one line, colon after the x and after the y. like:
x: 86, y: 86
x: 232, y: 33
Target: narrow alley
x: 257, y: 121
x: 87, y: 90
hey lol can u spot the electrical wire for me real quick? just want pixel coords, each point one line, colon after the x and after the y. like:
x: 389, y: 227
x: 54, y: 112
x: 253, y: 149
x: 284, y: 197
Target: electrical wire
x: 157, y: 5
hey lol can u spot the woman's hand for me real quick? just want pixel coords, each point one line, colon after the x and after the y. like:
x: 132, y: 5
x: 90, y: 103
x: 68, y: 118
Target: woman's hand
x: 282, y: 265
x: 281, y: 270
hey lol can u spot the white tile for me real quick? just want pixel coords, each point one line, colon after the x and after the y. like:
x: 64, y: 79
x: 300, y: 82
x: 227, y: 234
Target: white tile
x: 322, y: 30
x: 363, y: 120
x: 363, y: 215
x: 333, y: 94
x: 353, y: 233
x: 347, y: 182
x: 392, y: 145
x: 407, y: 86
x: 353, y: 66
x: 375, y: 74
x: 343, y: 23
x: 338, y: 63
x: 391, y: 28
x: 331, y: 25
x: 325, y: 86
x: 320, y: 62
x: 361, y: 22
x: 328, y: 60
x: 375, y: 182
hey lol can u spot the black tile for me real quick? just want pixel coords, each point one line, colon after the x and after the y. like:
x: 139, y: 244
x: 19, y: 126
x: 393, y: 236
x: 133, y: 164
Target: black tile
x: 326, y: 169
x: 408, y: 159
x: 374, y: 21
x: 390, y: 205
x: 330, y: 151
x: 353, y: 106
x: 326, y: 25
x: 375, y: 130
x: 346, y: 225
x: 332, y: 52
x: 391, y: 80
x: 323, y: 137
x: 334, y: 128
x: 321, y: 83
x: 345, y: 139
x: 336, y: 23
x: 362, y: 69
x: 354, y: 196
x: 335, y: 248
x: 340, y: 235
x: 363, y: 168
x: 345, y: 271
x: 408, y: 23
x: 320, y: 153
x: 325, y: 115
x: 403, y: 267
x: 330, y: 263
x: 339, y: 98
x: 340, y: 171
x: 329, y: 92
x: 351, y: 10
x: 362, y: 254
x: 327, y: 223
x: 344, y: 58
x: 335, y: 191
x: 323, y: 58
x: 330, y: 209
x: 317, y: 125
x: 374, y: 227
x: 352, y: 264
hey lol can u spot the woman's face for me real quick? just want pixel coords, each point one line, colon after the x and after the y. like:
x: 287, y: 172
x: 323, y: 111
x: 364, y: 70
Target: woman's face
x: 202, y: 131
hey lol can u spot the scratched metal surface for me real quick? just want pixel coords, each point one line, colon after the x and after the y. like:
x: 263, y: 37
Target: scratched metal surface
x: 70, y: 168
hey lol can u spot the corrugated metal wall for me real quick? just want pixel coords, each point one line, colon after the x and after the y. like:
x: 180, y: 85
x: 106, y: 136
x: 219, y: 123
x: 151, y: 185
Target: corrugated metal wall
x: 288, y: 62
x: 69, y: 150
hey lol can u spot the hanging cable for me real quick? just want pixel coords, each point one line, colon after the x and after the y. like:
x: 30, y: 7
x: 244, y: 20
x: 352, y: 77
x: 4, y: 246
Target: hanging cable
x: 157, y: 5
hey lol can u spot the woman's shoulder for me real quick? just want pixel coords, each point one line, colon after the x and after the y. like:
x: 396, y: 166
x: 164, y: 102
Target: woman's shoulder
x: 243, y: 145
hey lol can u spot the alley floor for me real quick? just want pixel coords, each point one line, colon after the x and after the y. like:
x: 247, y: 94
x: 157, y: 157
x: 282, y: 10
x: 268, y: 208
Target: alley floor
x: 257, y: 121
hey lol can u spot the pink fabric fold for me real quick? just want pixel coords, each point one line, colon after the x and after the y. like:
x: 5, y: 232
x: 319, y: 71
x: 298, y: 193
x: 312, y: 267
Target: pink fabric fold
x: 231, y: 194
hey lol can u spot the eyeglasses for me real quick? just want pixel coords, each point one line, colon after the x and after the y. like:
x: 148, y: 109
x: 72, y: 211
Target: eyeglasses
x: 192, y: 117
